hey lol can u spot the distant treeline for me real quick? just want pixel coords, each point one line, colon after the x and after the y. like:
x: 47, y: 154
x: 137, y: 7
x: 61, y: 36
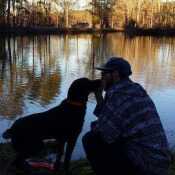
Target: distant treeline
x: 98, y: 14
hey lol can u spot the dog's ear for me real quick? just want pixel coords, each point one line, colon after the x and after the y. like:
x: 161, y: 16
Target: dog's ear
x: 79, y: 89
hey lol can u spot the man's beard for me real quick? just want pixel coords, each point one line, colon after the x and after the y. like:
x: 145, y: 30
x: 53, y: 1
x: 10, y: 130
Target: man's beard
x: 108, y: 84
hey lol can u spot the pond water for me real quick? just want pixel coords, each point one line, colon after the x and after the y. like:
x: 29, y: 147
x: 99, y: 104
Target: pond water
x: 36, y: 71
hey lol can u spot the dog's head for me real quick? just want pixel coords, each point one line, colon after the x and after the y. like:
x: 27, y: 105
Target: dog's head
x: 81, y: 88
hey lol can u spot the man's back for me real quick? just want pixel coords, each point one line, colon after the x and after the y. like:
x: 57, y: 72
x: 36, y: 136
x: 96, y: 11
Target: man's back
x: 130, y: 114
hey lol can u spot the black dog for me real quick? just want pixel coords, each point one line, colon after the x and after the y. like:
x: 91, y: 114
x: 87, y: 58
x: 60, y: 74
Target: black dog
x: 63, y: 123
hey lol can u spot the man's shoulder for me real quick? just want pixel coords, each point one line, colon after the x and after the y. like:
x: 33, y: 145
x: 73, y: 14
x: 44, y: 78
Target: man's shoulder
x: 127, y: 89
x: 130, y: 96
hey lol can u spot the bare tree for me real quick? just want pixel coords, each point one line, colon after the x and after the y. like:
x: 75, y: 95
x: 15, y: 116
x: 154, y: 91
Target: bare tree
x: 103, y: 11
x: 66, y: 6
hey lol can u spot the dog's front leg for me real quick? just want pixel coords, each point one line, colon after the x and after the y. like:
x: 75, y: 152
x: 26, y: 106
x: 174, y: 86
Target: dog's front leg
x: 60, y: 151
x: 69, y: 149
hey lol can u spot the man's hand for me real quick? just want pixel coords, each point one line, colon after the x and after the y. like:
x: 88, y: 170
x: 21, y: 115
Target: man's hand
x: 93, y: 125
x: 99, y: 96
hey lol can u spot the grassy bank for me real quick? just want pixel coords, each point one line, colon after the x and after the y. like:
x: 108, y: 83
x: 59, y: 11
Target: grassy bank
x: 158, y: 32
x: 129, y: 30
x: 79, y: 167
x: 4, y: 30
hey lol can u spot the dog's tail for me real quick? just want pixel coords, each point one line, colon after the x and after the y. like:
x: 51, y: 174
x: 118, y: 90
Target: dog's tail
x: 7, y: 134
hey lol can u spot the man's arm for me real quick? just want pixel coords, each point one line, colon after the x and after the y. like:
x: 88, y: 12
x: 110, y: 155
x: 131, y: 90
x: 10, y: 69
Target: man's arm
x: 99, y: 106
x: 109, y: 123
x: 100, y: 101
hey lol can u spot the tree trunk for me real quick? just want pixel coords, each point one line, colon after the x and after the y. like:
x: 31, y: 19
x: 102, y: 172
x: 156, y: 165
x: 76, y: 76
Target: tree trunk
x: 138, y: 12
x: 8, y: 13
x: 66, y: 16
x: 14, y: 14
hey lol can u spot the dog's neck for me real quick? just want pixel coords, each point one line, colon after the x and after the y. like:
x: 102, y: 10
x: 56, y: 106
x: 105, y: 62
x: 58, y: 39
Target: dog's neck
x: 76, y: 103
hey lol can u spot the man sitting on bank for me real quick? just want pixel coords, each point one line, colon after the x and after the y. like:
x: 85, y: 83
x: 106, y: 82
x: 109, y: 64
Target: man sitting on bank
x: 128, y: 137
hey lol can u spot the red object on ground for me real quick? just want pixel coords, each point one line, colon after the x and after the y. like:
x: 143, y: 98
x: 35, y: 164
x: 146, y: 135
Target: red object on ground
x: 42, y: 165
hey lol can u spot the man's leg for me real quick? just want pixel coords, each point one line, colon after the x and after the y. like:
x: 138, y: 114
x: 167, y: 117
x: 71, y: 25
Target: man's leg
x: 106, y: 158
x: 99, y: 155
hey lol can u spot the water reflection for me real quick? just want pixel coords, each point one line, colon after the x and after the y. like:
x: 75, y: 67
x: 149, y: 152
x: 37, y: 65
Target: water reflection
x: 35, y: 72
x: 28, y: 71
x: 152, y: 59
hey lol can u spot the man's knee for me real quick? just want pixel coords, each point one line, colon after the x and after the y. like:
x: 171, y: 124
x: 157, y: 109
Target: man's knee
x: 90, y: 139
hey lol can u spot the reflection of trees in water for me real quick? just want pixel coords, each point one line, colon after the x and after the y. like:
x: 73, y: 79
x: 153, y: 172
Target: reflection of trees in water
x: 152, y: 58
x: 76, y: 55
x: 11, y: 100
x: 29, y: 71
x: 99, y: 52
x: 2, y: 56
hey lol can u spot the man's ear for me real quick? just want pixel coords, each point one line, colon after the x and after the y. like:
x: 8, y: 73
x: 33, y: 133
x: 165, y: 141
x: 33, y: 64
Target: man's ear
x: 115, y: 75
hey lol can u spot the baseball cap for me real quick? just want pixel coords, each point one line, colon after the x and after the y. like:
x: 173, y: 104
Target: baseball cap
x: 116, y: 63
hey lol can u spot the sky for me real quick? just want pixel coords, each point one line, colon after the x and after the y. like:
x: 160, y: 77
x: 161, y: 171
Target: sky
x: 82, y: 4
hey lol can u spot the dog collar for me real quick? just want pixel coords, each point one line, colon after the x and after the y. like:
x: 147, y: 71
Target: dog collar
x: 76, y: 103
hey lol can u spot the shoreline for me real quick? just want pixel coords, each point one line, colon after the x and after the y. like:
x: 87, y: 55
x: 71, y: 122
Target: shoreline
x: 78, y: 167
x: 131, y: 32
x: 157, y: 32
x: 6, y: 31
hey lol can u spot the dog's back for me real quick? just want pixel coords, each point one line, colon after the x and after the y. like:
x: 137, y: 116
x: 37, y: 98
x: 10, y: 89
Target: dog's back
x: 59, y: 121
